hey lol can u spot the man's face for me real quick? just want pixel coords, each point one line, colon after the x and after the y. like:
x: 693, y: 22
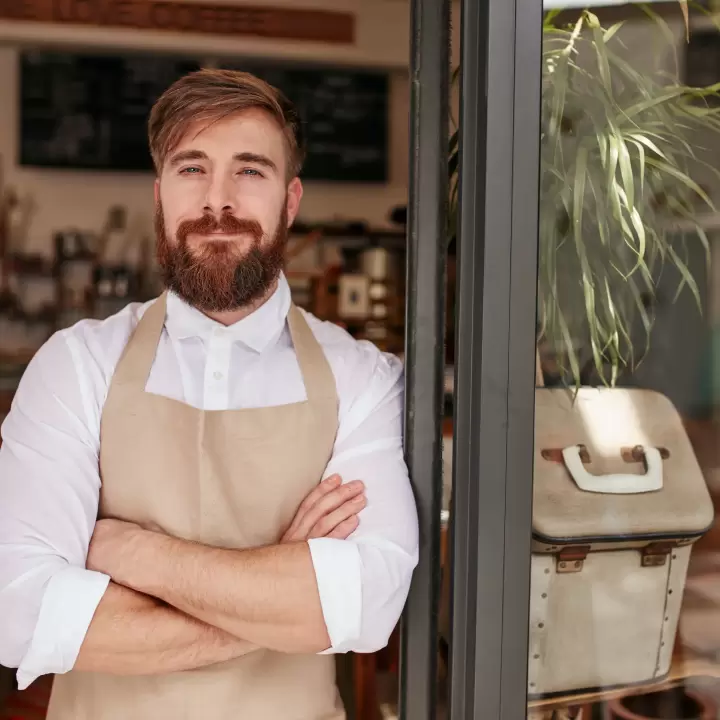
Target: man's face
x: 223, y: 209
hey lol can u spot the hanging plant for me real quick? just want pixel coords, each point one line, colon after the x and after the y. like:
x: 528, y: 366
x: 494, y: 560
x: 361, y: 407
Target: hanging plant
x: 619, y: 158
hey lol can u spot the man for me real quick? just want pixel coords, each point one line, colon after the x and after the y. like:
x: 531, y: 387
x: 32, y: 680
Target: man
x: 222, y: 574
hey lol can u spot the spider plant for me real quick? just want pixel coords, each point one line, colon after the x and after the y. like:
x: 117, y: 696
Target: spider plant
x: 619, y: 162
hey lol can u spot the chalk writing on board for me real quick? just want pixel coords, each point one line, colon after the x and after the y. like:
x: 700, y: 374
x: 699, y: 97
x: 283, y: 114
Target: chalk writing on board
x: 89, y: 111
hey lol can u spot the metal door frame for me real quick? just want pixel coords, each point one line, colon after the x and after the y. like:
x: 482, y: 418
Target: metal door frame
x: 495, y: 352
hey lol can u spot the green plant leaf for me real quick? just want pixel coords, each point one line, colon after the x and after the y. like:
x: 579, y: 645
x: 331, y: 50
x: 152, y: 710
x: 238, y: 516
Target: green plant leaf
x: 687, y: 278
x: 648, y: 143
x: 682, y: 177
x: 626, y: 171
x: 611, y: 184
x: 621, y: 152
x: 611, y: 31
x: 653, y: 102
x: 579, y: 193
x: 602, y: 60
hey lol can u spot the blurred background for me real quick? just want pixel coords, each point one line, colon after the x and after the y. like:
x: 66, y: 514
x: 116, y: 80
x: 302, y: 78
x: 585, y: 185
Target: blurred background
x: 77, y: 80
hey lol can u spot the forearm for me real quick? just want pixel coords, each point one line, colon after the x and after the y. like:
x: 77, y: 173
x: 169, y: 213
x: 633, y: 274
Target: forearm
x: 133, y: 634
x: 268, y: 596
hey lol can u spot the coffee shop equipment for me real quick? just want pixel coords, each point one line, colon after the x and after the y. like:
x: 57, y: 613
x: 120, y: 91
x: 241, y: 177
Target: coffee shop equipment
x: 352, y: 275
x: 99, y: 274
x: 619, y: 500
x: 304, y: 262
x: 120, y: 270
x: 371, y: 296
x: 74, y: 267
x: 30, y: 316
x: 26, y: 284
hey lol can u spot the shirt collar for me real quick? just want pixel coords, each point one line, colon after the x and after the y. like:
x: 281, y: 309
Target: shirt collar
x: 257, y: 330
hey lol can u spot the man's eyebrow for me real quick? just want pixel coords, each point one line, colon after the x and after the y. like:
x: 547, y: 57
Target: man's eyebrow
x: 186, y: 155
x: 257, y: 159
x: 249, y: 157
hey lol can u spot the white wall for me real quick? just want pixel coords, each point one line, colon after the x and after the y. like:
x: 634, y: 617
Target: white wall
x: 82, y: 198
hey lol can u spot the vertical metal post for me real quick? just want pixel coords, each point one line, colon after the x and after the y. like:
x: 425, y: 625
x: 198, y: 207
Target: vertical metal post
x: 424, y: 342
x: 495, y: 355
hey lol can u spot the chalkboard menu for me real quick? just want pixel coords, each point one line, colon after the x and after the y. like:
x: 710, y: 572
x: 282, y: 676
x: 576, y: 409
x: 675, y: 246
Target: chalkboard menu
x: 345, y: 117
x: 90, y: 111
x: 86, y: 111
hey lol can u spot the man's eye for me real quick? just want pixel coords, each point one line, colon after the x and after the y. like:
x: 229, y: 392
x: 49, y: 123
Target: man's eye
x: 190, y: 171
x: 249, y: 171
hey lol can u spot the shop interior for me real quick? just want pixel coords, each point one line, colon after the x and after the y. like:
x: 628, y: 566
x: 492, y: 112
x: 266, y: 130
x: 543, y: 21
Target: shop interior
x: 76, y: 190
x: 77, y: 208
x: 77, y: 238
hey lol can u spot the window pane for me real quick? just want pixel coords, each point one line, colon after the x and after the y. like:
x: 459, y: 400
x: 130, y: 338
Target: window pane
x: 625, y: 580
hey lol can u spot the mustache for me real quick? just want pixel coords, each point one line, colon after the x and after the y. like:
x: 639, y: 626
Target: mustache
x: 227, y: 224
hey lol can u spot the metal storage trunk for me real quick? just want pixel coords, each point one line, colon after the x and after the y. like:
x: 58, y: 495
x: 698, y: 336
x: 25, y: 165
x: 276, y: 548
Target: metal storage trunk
x: 619, y: 499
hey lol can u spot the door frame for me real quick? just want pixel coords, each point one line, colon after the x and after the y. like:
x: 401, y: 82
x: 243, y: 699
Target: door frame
x: 496, y: 306
x: 424, y: 343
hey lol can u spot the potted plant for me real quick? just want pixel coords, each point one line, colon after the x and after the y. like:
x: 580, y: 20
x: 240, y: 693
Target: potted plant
x: 619, y: 158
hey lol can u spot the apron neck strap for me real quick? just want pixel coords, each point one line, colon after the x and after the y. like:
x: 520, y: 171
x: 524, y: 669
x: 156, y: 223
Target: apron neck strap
x: 316, y: 372
x: 137, y: 359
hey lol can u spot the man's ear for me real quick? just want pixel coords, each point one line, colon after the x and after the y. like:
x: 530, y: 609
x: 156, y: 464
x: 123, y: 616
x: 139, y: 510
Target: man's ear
x: 294, y: 196
x: 157, y: 191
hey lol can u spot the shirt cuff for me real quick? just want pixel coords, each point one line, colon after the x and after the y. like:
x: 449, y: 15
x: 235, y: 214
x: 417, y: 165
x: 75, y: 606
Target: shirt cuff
x: 66, y: 611
x: 338, y: 572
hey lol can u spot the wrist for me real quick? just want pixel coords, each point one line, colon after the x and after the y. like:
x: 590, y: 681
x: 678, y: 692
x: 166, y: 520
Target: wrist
x: 142, y: 560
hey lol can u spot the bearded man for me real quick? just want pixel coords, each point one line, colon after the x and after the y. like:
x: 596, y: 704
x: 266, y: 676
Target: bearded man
x: 203, y: 498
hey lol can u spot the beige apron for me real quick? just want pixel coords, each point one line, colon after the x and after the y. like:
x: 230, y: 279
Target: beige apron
x: 231, y: 478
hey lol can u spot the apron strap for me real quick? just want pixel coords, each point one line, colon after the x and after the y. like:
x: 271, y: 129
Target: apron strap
x: 136, y: 361
x: 320, y: 386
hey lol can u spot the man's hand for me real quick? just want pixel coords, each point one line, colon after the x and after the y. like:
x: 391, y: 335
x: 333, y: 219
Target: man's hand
x: 112, y: 545
x: 330, y: 510
x: 265, y: 596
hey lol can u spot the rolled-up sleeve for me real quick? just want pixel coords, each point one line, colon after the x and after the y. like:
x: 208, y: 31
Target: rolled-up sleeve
x: 363, y: 582
x: 49, y: 491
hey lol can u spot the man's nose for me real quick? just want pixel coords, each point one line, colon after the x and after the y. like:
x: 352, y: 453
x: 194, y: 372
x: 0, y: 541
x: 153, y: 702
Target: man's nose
x: 220, y: 197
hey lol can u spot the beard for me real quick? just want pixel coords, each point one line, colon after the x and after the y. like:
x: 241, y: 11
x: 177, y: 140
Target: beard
x: 217, y: 276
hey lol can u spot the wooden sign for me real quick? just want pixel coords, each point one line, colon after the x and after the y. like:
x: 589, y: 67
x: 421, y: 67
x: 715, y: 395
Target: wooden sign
x: 268, y: 22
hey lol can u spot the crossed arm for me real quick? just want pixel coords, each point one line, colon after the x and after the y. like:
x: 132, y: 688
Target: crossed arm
x: 134, y: 634
x: 60, y: 614
x: 175, y: 605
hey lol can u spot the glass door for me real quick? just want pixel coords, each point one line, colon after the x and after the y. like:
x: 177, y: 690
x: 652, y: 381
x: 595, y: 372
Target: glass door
x: 586, y: 556
x: 466, y: 617
x: 624, y: 610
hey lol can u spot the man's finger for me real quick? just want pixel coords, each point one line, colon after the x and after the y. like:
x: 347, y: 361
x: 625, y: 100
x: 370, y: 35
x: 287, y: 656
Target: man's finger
x: 345, y: 529
x: 333, y: 519
x: 326, y: 504
x: 327, y: 485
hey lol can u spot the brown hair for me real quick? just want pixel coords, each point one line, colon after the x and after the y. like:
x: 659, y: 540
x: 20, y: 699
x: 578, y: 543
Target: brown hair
x: 211, y: 95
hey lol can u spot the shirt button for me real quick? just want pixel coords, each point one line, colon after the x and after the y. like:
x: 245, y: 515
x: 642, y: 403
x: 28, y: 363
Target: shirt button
x: 217, y: 375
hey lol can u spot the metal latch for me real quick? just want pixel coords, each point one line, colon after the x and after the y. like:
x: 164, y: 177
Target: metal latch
x: 570, y: 559
x: 655, y: 554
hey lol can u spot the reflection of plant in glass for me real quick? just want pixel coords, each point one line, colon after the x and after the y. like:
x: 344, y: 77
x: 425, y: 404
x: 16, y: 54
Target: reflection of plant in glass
x: 618, y: 160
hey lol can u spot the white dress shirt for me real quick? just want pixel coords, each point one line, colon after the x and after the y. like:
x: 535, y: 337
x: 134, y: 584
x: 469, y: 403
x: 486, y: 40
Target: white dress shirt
x: 50, y: 482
